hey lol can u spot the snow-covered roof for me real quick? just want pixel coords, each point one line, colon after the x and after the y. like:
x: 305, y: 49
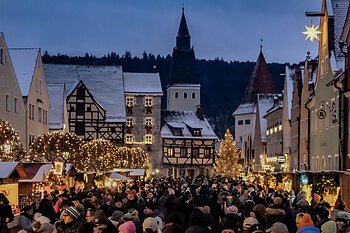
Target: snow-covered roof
x: 289, y: 79
x: 6, y: 169
x: 41, y: 174
x: 24, y: 60
x: 142, y: 83
x: 183, y: 119
x: 245, y: 108
x: 57, y: 97
x: 265, y: 102
x: 117, y: 176
x: 105, y: 83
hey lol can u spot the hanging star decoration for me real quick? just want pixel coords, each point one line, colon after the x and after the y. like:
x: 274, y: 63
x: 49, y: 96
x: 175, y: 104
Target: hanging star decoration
x: 311, y: 33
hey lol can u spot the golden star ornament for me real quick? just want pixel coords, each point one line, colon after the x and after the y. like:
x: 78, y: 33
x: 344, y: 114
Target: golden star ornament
x: 311, y: 33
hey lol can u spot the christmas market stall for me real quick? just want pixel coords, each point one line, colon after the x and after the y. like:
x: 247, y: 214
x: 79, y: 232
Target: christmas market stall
x: 116, y: 180
x: 45, y: 177
x: 10, y: 173
x: 134, y: 174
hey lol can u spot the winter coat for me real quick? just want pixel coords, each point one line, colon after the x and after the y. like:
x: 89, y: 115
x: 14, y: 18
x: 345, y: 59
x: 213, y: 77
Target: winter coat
x: 45, y: 225
x: 309, y: 229
x: 25, y: 223
x: 197, y: 229
x: 46, y: 209
x: 274, y: 215
x: 5, y: 212
x: 71, y: 227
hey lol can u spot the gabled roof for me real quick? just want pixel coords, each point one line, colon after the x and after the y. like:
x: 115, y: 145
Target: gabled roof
x: 57, y: 96
x: 260, y: 81
x: 105, y: 83
x: 142, y: 83
x: 40, y: 174
x: 8, y: 168
x: 181, y: 119
x: 245, y: 108
x: 24, y: 60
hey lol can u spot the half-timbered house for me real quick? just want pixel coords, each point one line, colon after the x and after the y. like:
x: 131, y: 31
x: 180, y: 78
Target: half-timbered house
x: 95, y: 100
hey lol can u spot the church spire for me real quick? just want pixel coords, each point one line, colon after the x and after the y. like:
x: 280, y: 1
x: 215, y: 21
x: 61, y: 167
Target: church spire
x: 183, y: 39
x: 260, y: 81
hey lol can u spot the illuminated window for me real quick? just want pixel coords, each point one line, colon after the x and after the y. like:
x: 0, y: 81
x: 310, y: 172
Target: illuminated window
x: 280, y: 127
x: 148, y: 121
x: 148, y: 101
x: 129, y: 122
x: 267, y: 132
x: 170, y: 152
x: 129, y: 139
x: 129, y: 101
x: 148, y: 139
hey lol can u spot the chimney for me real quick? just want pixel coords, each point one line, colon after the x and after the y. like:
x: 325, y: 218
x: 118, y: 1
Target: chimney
x: 200, y: 112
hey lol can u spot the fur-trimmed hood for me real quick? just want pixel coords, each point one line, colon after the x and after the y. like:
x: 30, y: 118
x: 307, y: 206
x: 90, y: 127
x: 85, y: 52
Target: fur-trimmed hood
x: 274, y: 211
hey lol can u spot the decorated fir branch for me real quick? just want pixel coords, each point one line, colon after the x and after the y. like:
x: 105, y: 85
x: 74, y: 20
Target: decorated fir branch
x: 11, y: 148
x: 226, y: 161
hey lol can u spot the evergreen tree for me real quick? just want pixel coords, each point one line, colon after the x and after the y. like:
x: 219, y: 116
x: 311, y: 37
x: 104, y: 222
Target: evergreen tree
x: 226, y: 162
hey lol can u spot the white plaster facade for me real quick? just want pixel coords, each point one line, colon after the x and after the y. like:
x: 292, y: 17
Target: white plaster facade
x: 183, y: 97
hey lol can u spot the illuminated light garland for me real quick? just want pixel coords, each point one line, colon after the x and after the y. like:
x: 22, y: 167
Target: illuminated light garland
x: 11, y: 148
x: 53, y: 145
x: 226, y: 162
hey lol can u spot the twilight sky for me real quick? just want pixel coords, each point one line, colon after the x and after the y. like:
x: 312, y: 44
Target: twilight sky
x: 228, y: 29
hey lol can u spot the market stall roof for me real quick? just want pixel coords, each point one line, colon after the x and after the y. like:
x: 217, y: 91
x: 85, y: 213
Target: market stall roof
x: 8, y: 168
x: 40, y: 174
x: 132, y: 172
x: 118, y: 176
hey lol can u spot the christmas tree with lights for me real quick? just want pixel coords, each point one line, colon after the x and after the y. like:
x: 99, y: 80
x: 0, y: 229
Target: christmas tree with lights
x: 11, y: 148
x: 226, y: 162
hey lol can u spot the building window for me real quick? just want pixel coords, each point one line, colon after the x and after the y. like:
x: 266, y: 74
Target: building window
x: 33, y: 112
x: 129, y: 122
x: 30, y: 112
x: 196, y: 132
x: 80, y: 109
x: 80, y: 93
x: 170, y: 152
x: 240, y: 122
x: 195, y: 152
x: 1, y: 56
x: 40, y: 116
x: 16, y: 105
x: 88, y: 109
x: 185, y: 95
x: 207, y: 153
x: 148, y: 139
x: 247, y: 122
x: 148, y: 102
x: 129, y: 101
x: 149, y: 121
x: 79, y: 128
x: 129, y: 139
x: 183, y: 152
x: 176, y: 95
x: 7, y: 103
x: 193, y: 95
x: 40, y: 87
x: 113, y: 129
x: 240, y: 138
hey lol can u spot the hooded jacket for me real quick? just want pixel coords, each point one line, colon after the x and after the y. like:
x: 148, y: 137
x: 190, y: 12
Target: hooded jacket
x: 309, y: 229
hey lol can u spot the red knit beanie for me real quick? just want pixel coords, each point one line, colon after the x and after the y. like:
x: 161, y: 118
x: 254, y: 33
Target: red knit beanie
x: 305, y: 221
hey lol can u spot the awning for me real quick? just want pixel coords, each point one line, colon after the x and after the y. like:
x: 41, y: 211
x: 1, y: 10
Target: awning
x: 117, y: 176
x: 40, y: 176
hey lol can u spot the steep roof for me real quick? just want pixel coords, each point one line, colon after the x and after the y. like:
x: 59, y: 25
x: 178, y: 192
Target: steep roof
x: 142, y: 83
x: 57, y: 97
x: 24, y: 60
x: 183, y: 29
x: 105, y: 83
x: 186, y: 120
x: 260, y: 81
x: 245, y: 108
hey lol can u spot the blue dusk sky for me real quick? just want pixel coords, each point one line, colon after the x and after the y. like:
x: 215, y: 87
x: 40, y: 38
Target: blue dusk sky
x: 228, y: 29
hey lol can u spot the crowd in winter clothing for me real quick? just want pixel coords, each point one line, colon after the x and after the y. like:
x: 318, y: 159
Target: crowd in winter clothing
x: 182, y: 205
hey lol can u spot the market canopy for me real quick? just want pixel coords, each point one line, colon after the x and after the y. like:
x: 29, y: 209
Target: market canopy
x: 8, y: 168
x: 117, y: 176
x: 41, y: 174
x: 132, y: 172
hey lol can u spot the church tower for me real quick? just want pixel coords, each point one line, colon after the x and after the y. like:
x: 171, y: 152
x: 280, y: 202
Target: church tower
x: 183, y: 92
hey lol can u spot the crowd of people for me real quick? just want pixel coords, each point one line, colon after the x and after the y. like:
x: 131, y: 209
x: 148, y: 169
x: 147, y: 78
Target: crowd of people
x: 182, y: 205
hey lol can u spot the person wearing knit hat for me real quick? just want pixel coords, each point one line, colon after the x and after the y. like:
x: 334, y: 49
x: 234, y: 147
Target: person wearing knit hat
x: 248, y: 222
x: 116, y: 217
x: 342, y: 220
x: 305, y: 224
x: 70, y: 220
x: 278, y: 227
x: 150, y: 225
x: 127, y: 227
x: 329, y: 227
x: 102, y: 223
x: 71, y: 212
x: 317, y: 198
x: 231, y: 209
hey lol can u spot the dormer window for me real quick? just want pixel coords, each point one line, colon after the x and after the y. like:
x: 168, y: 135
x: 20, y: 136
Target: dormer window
x: 148, y: 102
x: 177, y: 132
x: 129, y: 101
x: 196, y: 132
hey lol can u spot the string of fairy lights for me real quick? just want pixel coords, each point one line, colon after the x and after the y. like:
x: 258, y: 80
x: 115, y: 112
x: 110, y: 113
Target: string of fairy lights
x: 11, y: 148
x: 226, y: 162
